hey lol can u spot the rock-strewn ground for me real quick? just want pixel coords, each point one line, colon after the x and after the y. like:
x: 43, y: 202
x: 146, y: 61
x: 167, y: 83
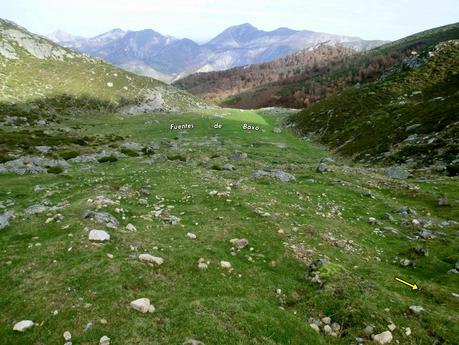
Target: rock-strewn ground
x: 218, y: 236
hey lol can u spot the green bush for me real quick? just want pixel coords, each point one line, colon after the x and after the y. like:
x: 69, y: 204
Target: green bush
x: 69, y: 155
x: 55, y: 170
x: 109, y: 159
x: 129, y: 152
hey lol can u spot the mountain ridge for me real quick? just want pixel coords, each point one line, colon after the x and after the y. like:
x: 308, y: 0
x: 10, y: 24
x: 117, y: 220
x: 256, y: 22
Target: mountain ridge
x: 173, y: 58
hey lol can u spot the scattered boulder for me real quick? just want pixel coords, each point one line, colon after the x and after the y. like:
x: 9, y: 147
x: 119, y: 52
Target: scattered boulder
x: 321, y: 168
x: 150, y: 259
x: 225, y: 264
x: 277, y: 174
x: 239, y: 243
x: 192, y: 342
x: 4, y: 219
x: 67, y: 336
x: 35, y: 209
x: 314, y: 327
x: 368, y: 330
x: 98, y: 236
x: 143, y: 305
x: 416, y: 309
x: 23, y: 326
x: 172, y: 220
x: 191, y: 236
x: 203, y: 264
x: 427, y: 234
x: 239, y: 155
x: 228, y: 167
x: 326, y: 320
x: 397, y: 172
x: 102, y: 217
x: 383, y: 338
x: 104, y: 340
x: 131, y: 227
x: 443, y: 201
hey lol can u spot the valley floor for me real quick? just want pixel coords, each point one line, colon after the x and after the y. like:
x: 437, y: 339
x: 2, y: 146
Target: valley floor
x: 368, y: 228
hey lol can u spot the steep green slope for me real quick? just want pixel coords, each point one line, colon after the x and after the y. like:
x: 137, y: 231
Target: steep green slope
x: 33, y: 68
x: 409, y: 116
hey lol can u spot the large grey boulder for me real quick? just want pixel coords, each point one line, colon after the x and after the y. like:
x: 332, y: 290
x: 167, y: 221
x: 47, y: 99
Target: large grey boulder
x: 35, y: 209
x: 4, y: 219
x: 102, y: 217
x: 239, y: 155
x: 31, y: 164
x: 397, y: 172
x: 276, y: 174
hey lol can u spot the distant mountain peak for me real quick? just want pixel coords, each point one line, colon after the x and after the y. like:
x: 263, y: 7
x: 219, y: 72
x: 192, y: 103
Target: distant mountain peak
x: 62, y: 36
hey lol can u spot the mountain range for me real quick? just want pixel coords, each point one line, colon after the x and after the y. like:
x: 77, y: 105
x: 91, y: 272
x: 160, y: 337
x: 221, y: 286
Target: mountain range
x: 149, y: 53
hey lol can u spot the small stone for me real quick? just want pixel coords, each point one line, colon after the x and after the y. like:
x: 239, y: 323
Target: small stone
x: 23, y: 325
x: 336, y: 327
x: 110, y: 256
x: 327, y: 329
x: 314, y: 327
x: 192, y: 342
x: 88, y: 326
x: 321, y: 168
x: 150, y: 259
x: 239, y: 243
x: 131, y: 227
x: 67, y: 336
x: 191, y: 236
x: 383, y: 338
x: 405, y: 262
x: 326, y: 320
x: 407, y: 331
x: 391, y: 327
x: 225, y: 264
x: 397, y: 172
x: 203, y: 264
x: 368, y: 330
x: 104, y: 340
x: 416, y: 309
x: 443, y: 201
x: 143, y: 305
x: 98, y: 236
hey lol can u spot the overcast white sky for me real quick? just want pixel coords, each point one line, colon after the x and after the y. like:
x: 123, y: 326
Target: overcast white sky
x: 202, y: 19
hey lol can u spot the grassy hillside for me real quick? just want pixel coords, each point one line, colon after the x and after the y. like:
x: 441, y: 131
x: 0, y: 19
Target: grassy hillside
x: 410, y: 116
x: 316, y: 80
x: 52, y: 274
x: 33, y: 68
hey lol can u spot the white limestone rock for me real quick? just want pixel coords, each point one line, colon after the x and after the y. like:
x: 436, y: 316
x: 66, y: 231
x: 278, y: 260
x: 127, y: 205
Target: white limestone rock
x: 23, y: 325
x: 383, y: 338
x: 143, y: 305
x: 104, y: 340
x: 98, y: 236
x: 150, y: 259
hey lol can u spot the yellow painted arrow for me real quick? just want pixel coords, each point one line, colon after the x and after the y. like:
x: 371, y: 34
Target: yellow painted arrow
x: 413, y: 286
